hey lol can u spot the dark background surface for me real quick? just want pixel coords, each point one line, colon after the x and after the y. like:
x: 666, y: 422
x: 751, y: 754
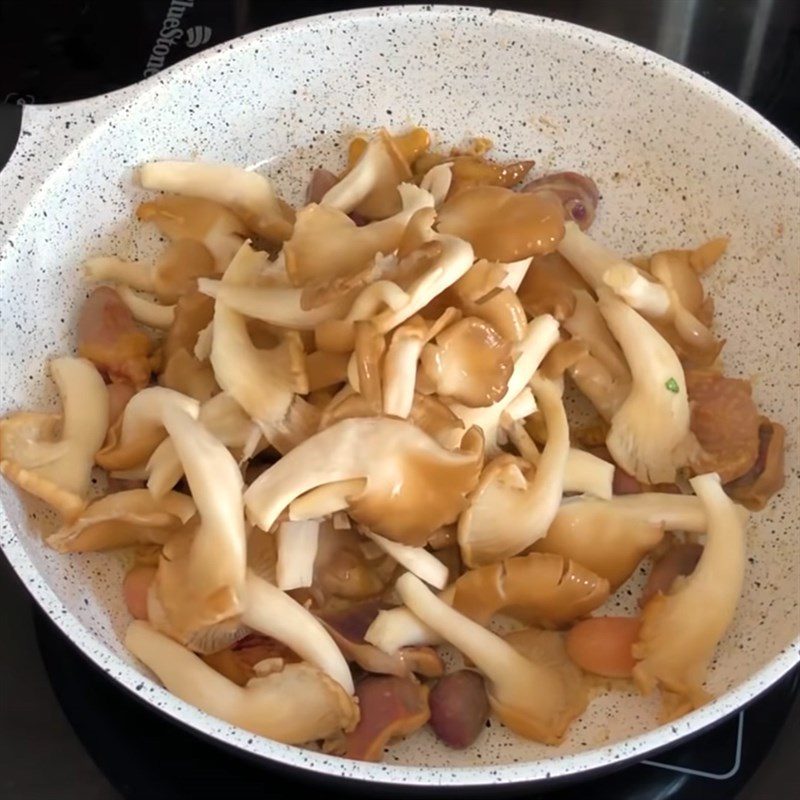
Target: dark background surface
x: 56, y: 51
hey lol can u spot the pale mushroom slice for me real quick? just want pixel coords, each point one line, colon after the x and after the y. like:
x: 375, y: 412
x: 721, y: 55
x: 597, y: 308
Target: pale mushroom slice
x: 264, y: 382
x: 226, y: 420
x: 537, y: 589
x: 51, y: 457
x: 271, y: 611
x: 470, y: 363
x: 414, y: 485
x: 370, y: 185
x: 349, y: 249
x: 503, y: 225
x: 416, y: 560
x: 508, y: 512
x: 140, y: 429
x: 169, y: 277
x: 611, y: 537
x: 681, y: 629
x: 122, y: 519
x: 210, y: 224
x: 246, y: 193
x: 536, y: 697
x: 540, y: 336
x: 147, y: 311
x: 297, y: 542
x: 296, y: 704
x: 201, y: 574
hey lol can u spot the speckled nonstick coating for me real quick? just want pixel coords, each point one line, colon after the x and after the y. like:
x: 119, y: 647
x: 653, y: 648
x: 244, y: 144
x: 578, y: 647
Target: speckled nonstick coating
x: 677, y: 159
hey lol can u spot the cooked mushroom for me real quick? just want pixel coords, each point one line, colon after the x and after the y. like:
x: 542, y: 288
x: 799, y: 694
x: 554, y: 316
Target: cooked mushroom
x: 611, y: 537
x: 459, y: 708
x: 549, y: 287
x: 249, y: 195
x: 416, y: 560
x: 210, y: 224
x: 141, y: 428
x: 578, y: 194
x: 172, y: 275
x: 201, y: 574
x: 414, y: 486
x: 50, y: 456
x: 502, y: 225
x: 272, y: 612
x: 296, y: 704
x: 537, y: 696
x: 541, y: 334
x: 370, y: 185
x: 658, y: 391
x: 263, y: 382
x: 470, y: 363
x: 537, y: 589
x: 122, y: 519
x: 507, y: 512
x: 297, y: 550
x: 680, y: 630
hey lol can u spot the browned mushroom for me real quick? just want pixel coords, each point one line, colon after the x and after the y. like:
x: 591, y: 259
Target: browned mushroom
x: 766, y: 477
x: 539, y: 588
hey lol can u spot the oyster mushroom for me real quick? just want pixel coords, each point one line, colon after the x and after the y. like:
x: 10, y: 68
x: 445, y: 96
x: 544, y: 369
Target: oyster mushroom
x: 537, y: 696
x: 502, y: 225
x: 247, y: 194
x: 172, y: 275
x: 122, y: 519
x: 201, y: 573
x: 51, y: 456
x: 611, y: 537
x: 508, y: 512
x: 140, y: 429
x: 414, y: 486
x: 537, y: 589
x: 680, y: 630
x: 296, y: 704
x: 470, y: 363
x: 541, y: 334
x: 203, y: 221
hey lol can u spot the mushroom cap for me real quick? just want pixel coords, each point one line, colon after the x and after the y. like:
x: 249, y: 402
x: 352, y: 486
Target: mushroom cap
x: 502, y: 225
x: 538, y: 589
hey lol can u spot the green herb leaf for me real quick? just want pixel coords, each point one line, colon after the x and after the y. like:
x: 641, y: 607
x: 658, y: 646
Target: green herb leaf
x: 672, y: 386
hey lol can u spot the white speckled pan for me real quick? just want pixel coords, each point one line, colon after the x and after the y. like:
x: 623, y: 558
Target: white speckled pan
x: 677, y: 160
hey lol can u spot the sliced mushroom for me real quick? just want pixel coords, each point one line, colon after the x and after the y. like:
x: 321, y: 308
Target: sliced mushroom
x: 141, y: 429
x: 201, y: 574
x: 537, y: 694
x: 766, y: 477
x: 540, y: 335
x: 537, y: 589
x: 296, y: 704
x: 414, y: 486
x: 122, y: 519
x: 172, y: 275
x: 507, y: 512
x: 247, y: 194
x: 55, y: 465
x: 203, y: 221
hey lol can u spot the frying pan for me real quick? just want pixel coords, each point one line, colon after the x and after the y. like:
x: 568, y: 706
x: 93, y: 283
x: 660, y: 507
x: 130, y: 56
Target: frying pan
x: 677, y: 159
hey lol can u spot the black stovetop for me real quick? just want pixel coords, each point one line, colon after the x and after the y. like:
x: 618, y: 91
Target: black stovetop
x: 65, y: 730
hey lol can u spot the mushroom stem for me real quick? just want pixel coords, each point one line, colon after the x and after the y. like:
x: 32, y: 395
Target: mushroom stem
x: 148, y: 312
x: 272, y: 612
x: 297, y: 550
x: 416, y: 560
x: 135, y: 274
x: 648, y: 297
x: 296, y: 705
